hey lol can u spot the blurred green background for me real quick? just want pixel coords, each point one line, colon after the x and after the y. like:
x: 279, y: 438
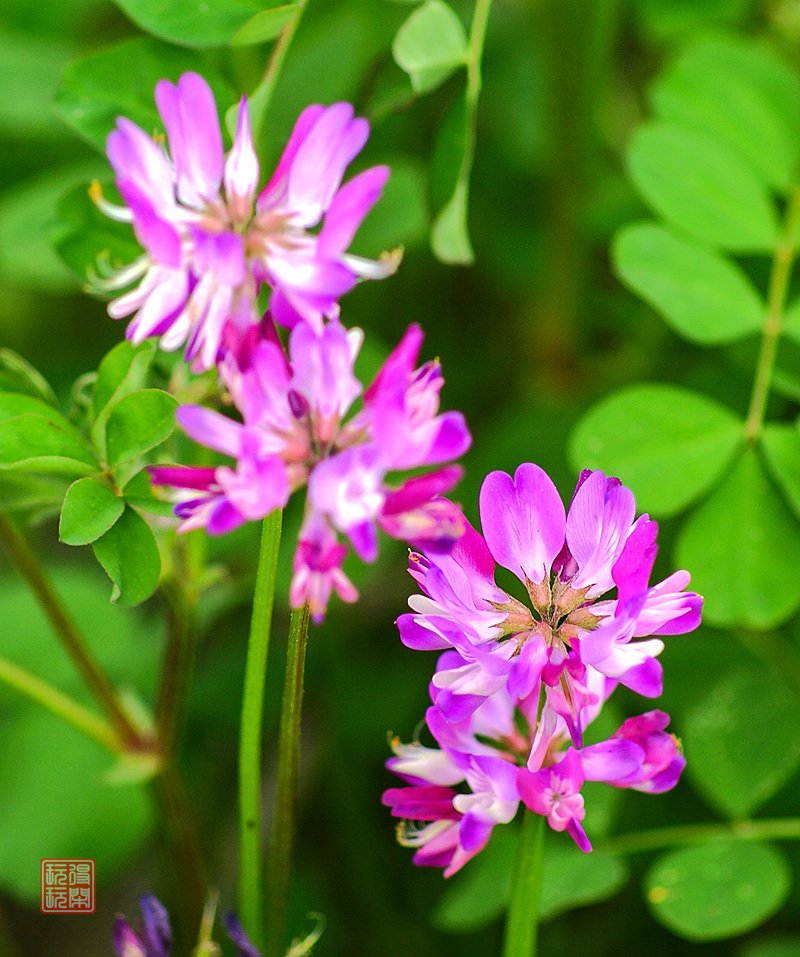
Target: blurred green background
x: 530, y: 336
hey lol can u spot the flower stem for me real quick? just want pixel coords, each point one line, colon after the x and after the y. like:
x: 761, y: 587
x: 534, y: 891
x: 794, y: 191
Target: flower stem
x: 250, y: 738
x: 778, y: 283
x: 61, y: 705
x: 279, y: 865
x: 180, y: 831
x: 67, y: 631
x: 526, y: 888
x: 783, y: 828
x: 259, y: 102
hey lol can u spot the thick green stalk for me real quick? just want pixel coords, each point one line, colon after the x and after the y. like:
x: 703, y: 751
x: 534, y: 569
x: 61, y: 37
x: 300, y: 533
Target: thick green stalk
x: 67, y: 631
x: 250, y: 738
x: 279, y: 864
x: 61, y: 705
x: 776, y: 297
x: 522, y: 920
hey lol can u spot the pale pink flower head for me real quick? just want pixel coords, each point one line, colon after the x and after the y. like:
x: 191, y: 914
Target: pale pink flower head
x: 211, y: 241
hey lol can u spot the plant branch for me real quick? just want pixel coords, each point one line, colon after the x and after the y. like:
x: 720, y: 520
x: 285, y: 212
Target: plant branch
x: 279, y: 865
x: 787, y: 828
x: 526, y: 888
x: 250, y: 739
x: 68, y: 633
x: 778, y: 283
x: 61, y: 705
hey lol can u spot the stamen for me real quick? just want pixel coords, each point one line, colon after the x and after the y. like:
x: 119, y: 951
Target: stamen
x: 119, y: 213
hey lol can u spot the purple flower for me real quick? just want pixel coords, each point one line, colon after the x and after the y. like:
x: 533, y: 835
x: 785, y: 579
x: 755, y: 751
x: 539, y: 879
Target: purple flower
x: 211, y: 242
x: 567, y: 564
x: 517, y: 683
x: 297, y: 429
x: 155, y: 939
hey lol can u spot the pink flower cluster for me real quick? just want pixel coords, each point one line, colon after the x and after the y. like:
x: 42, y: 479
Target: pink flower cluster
x: 212, y: 240
x: 295, y: 431
x: 518, y: 683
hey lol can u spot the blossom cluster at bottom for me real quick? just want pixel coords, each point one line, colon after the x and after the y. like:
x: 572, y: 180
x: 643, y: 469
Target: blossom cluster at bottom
x: 154, y: 937
x: 518, y: 684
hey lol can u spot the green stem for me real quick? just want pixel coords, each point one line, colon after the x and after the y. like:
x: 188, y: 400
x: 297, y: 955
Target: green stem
x: 67, y: 631
x: 279, y: 865
x: 180, y: 831
x: 250, y: 739
x: 259, y: 102
x: 178, y: 664
x: 526, y: 889
x: 61, y: 705
x: 778, y: 283
x: 782, y: 828
x: 477, y: 35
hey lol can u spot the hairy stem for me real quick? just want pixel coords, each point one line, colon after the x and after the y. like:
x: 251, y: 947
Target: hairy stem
x: 61, y: 705
x: 522, y: 920
x: 250, y: 738
x: 776, y: 297
x: 68, y: 633
x: 279, y: 865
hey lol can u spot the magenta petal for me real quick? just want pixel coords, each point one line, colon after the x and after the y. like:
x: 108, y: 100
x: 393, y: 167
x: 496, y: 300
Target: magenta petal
x: 416, y: 636
x: 364, y: 538
x: 348, y: 209
x: 646, y: 679
x: 523, y: 521
x: 451, y: 441
x: 274, y: 193
x: 243, y: 944
x: 224, y: 518
x: 211, y: 428
x: 419, y: 490
x: 182, y: 476
x: 611, y: 760
x: 577, y: 833
x: 474, y: 833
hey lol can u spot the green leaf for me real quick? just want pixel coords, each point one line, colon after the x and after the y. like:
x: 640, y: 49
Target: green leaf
x: 449, y: 236
x: 669, y: 444
x: 54, y: 804
x: 478, y: 895
x: 781, y: 445
x: 138, y: 423
x: 27, y: 211
x: 733, y: 545
x: 733, y: 763
x: 667, y: 18
x: 430, y: 45
x: 18, y: 375
x: 401, y: 216
x: 83, y: 237
x: 265, y: 25
x: 741, y: 95
x: 773, y: 947
x: 122, y: 371
x: 90, y: 509
x: 34, y: 437
x: 791, y: 319
x: 32, y: 67
x: 717, y: 890
x: 129, y: 554
x: 139, y: 492
x: 704, y: 297
x: 703, y: 187
x: 98, y: 88
x: 189, y: 23
x: 33, y: 498
x: 572, y: 878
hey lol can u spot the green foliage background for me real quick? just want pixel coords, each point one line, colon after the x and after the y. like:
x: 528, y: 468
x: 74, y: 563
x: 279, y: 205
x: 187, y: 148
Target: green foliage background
x: 631, y: 170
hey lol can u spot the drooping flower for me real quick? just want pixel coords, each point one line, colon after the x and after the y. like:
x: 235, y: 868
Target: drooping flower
x: 211, y: 240
x: 297, y: 430
x: 518, y: 683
